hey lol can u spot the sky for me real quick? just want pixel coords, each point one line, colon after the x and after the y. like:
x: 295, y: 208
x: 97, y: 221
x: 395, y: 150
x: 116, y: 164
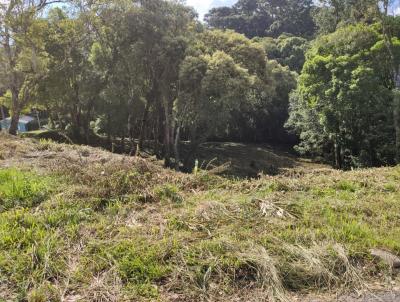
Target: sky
x: 203, y: 6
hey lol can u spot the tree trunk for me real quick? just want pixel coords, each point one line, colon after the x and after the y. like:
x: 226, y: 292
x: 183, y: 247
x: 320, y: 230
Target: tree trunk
x: 142, y: 128
x: 338, y: 155
x: 15, y: 113
x: 76, y: 120
x: 88, y: 116
x: 3, y: 114
x: 14, y: 123
x: 123, y: 144
x: 86, y: 128
x: 156, y: 135
x: 109, y: 139
x: 167, y: 137
x: 15, y: 106
x: 60, y: 119
x: 38, y: 119
x: 176, y: 147
x: 396, y: 120
x: 131, y: 134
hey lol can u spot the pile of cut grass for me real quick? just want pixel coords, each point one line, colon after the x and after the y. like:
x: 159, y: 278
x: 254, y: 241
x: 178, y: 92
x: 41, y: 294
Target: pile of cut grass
x: 99, y: 227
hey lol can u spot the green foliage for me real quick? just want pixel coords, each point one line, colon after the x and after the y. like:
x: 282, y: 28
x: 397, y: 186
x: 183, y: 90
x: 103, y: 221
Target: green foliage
x: 23, y: 57
x: 331, y: 15
x: 220, y: 76
x: 229, y: 89
x: 265, y: 18
x: 146, y: 75
x: 343, y: 103
x: 70, y: 90
x: 287, y: 50
x: 5, y: 100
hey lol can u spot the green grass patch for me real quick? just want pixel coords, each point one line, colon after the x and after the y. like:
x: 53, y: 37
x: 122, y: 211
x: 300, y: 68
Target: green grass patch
x: 30, y: 252
x: 22, y: 189
x: 120, y: 228
x: 169, y: 193
x: 141, y: 264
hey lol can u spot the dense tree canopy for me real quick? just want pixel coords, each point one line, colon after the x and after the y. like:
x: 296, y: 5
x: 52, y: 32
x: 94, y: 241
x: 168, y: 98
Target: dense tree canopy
x: 332, y: 14
x: 288, y: 50
x: 230, y: 90
x: 23, y: 60
x: 139, y: 74
x: 343, y: 103
x: 259, y: 18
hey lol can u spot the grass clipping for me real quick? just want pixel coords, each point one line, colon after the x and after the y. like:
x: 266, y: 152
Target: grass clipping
x: 104, y: 227
x: 267, y: 275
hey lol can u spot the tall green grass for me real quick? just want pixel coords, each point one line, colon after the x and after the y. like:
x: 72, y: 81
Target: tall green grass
x: 22, y: 189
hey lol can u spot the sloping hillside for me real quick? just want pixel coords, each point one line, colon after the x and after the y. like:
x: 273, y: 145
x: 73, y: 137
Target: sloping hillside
x: 251, y: 160
x: 82, y: 224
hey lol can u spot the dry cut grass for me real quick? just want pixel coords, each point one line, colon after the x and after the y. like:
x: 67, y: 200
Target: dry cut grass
x: 81, y: 224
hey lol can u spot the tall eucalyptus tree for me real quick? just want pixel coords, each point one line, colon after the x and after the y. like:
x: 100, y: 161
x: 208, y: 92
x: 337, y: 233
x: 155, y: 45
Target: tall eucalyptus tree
x: 23, y: 59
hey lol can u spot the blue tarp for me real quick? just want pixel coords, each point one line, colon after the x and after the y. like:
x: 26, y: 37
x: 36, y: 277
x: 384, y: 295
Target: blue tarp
x: 23, y: 123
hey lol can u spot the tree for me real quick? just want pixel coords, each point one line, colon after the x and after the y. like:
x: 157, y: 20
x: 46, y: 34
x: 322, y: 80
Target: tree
x: 223, y: 77
x: 23, y: 59
x: 70, y: 87
x: 222, y: 86
x: 118, y: 56
x: 343, y: 102
x: 139, y: 49
x: 287, y: 50
x: 389, y: 26
x: 332, y: 14
x: 265, y: 18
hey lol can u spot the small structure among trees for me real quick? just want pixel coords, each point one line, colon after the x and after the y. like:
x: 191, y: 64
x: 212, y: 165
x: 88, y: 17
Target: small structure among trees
x: 25, y: 123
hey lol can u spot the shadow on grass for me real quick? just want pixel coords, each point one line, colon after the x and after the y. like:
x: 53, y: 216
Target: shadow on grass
x: 246, y: 160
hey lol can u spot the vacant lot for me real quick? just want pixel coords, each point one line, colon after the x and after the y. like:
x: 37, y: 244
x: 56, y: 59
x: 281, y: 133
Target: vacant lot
x: 82, y: 224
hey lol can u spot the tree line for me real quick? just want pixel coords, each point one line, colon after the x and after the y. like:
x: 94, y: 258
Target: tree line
x: 149, y: 73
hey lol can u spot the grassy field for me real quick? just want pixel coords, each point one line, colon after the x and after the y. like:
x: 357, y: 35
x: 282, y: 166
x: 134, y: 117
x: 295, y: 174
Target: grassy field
x: 82, y: 224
